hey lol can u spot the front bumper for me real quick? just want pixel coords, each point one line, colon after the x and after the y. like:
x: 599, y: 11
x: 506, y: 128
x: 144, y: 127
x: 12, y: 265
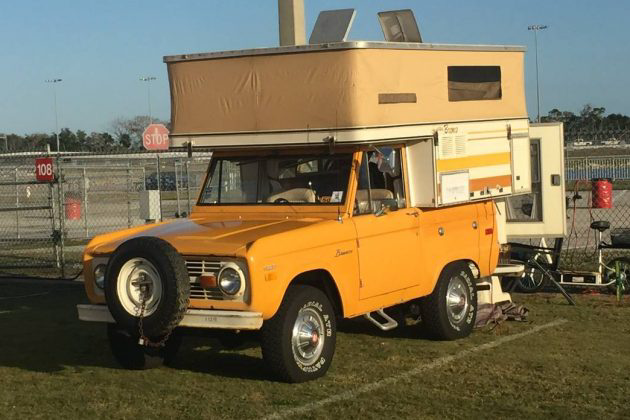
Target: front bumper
x: 194, y: 318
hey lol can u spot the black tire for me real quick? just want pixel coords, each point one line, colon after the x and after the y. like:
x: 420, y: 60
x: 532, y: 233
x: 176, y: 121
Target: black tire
x: 624, y: 266
x: 277, y: 335
x: 531, y: 281
x: 173, y: 278
x: 131, y: 355
x: 435, y: 309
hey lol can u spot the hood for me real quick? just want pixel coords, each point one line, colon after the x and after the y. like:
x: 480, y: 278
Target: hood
x: 203, y: 236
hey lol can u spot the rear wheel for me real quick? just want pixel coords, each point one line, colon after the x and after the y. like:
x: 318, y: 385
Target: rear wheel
x: 531, y: 281
x: 131, y: 355
x: 298, y: 342
x: 449, y: 312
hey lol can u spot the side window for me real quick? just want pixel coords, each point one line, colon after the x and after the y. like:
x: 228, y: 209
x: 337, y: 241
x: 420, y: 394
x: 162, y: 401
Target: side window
x: 381, y: 181
x: 474, y: 83
x: 362, y: 203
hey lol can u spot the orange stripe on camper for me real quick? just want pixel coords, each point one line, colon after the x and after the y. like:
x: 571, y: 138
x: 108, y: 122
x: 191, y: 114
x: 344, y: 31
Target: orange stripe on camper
x: 456, y: 164
x: 491, y: 182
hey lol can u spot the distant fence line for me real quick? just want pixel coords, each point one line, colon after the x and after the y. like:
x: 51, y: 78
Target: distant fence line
x: 585, y: 168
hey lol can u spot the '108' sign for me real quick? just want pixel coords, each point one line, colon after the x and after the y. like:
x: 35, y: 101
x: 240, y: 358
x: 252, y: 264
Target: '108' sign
x: 44, y: 169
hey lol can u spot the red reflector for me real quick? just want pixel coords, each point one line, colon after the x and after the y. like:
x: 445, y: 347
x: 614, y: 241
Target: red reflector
x: 489, y: 231
x: 207, y: 281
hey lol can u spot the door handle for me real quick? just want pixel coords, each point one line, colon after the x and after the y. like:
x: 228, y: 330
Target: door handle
x: 413, y: 213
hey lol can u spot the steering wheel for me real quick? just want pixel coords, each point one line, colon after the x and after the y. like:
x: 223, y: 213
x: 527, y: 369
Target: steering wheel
x: 281, y: 201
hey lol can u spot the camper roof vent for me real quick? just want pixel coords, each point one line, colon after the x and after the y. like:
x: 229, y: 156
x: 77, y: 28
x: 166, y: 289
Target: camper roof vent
x: 332, y: 26
x: 399, y: 26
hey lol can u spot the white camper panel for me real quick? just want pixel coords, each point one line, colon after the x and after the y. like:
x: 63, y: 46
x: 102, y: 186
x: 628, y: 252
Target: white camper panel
x: 542, y: 213
x: 470, y: 161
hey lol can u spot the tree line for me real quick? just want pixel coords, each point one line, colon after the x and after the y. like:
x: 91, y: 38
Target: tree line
x: 124, y: 134
x: 589, y: 119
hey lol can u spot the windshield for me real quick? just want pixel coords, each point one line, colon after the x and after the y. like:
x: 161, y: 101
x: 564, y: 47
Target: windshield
x: 289, y: 179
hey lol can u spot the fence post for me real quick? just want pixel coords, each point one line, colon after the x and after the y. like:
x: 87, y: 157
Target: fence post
x: 51, y: 203
x: 85, y: 204
x: 179, y: 210
x: 188, y: 186
x: 128, y: 196
x: 159, y: 185
x: 62, y: 216
x: 17, y: 205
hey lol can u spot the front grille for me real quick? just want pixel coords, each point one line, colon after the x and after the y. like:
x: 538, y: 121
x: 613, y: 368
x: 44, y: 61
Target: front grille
x: 197, y: 267
x: 196, y: 292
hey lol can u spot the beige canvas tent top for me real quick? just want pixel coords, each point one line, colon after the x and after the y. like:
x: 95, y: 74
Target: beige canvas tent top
x: 342, y: 86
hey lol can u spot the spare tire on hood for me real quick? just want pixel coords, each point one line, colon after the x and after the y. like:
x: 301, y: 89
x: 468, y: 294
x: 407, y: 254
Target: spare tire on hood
x: 150, y: 265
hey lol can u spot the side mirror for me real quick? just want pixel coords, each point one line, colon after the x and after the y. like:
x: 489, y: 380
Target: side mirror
x: 386, y: 206
x: 381, y: 211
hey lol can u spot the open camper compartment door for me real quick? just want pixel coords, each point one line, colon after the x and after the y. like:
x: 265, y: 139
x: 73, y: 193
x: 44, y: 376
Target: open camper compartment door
x: 469, y: 162
x: 541, y: 213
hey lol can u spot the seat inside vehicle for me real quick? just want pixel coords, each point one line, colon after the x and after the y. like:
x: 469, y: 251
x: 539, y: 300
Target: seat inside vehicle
x: 294, y: 195
x: 378, y: 195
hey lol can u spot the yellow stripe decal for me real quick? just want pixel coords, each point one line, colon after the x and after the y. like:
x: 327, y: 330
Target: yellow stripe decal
x: 456, y: 164
x: 503, y: 130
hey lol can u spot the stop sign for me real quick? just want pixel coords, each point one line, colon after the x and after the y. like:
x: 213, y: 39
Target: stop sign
x: 155, y: 137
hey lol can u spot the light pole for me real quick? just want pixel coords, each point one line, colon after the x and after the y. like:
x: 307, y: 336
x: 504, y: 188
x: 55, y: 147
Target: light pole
x: 148, y: 79
x: 54, y: 84
x: 537, y: 28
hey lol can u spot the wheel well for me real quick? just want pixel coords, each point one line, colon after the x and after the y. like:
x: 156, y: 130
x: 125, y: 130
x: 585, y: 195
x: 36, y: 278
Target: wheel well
x: 474, y: 268
x: 322, y: 280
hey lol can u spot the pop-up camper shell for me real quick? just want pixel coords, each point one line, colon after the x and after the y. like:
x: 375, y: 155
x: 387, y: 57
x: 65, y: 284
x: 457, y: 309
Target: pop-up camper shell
x: 460, y: 109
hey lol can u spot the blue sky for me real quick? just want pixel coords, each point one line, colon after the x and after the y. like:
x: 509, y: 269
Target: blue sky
x: 101, y: 48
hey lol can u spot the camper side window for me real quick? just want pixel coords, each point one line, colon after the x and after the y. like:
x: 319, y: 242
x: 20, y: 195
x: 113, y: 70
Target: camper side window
x: 474, y: 83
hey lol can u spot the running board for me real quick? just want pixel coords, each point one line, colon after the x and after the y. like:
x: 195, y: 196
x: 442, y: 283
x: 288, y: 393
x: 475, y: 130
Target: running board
x: 389, y: 325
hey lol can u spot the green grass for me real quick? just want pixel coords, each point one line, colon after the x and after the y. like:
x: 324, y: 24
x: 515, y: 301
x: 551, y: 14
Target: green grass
x: 53, y: 366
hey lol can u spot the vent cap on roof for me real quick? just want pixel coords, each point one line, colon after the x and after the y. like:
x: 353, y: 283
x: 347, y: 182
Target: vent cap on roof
x: 332, y: 26
x: 399, y: 26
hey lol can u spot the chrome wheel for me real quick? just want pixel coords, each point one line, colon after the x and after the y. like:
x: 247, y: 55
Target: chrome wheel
x: 139, y: 280
x: 457, y: 300
x: 307, y: 337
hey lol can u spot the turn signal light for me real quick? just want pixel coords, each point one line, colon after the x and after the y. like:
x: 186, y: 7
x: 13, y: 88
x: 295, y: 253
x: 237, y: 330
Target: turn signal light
x: 208, y: 281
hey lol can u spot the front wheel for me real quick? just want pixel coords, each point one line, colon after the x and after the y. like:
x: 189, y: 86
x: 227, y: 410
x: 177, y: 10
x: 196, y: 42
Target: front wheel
x: 449, y: 312
x: 298, y: 342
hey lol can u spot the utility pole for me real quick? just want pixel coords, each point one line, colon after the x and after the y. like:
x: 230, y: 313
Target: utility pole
x: 148, y: 79
x: 537, y: 28
x: 291, y: 22
x: 54, y: 84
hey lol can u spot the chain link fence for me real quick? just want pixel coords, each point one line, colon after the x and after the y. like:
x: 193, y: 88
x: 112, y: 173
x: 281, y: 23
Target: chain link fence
x: 44, y: 226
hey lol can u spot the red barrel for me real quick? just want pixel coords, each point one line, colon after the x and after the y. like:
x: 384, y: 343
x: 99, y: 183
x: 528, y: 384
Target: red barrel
x: 602, y: 193
x: 73, y: 208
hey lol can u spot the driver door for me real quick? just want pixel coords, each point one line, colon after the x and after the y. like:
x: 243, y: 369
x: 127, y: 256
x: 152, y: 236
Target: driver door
x: 388, y: 240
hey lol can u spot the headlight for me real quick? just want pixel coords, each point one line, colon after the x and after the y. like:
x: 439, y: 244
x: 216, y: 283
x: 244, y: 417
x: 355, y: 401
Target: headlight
x: 231, y: 279
x: 99, y: 276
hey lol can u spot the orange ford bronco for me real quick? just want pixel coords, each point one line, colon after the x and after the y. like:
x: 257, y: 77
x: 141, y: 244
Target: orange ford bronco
x: 348, y: 179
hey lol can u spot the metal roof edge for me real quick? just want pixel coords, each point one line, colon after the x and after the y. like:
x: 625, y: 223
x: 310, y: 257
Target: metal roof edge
x: 348, y: 45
